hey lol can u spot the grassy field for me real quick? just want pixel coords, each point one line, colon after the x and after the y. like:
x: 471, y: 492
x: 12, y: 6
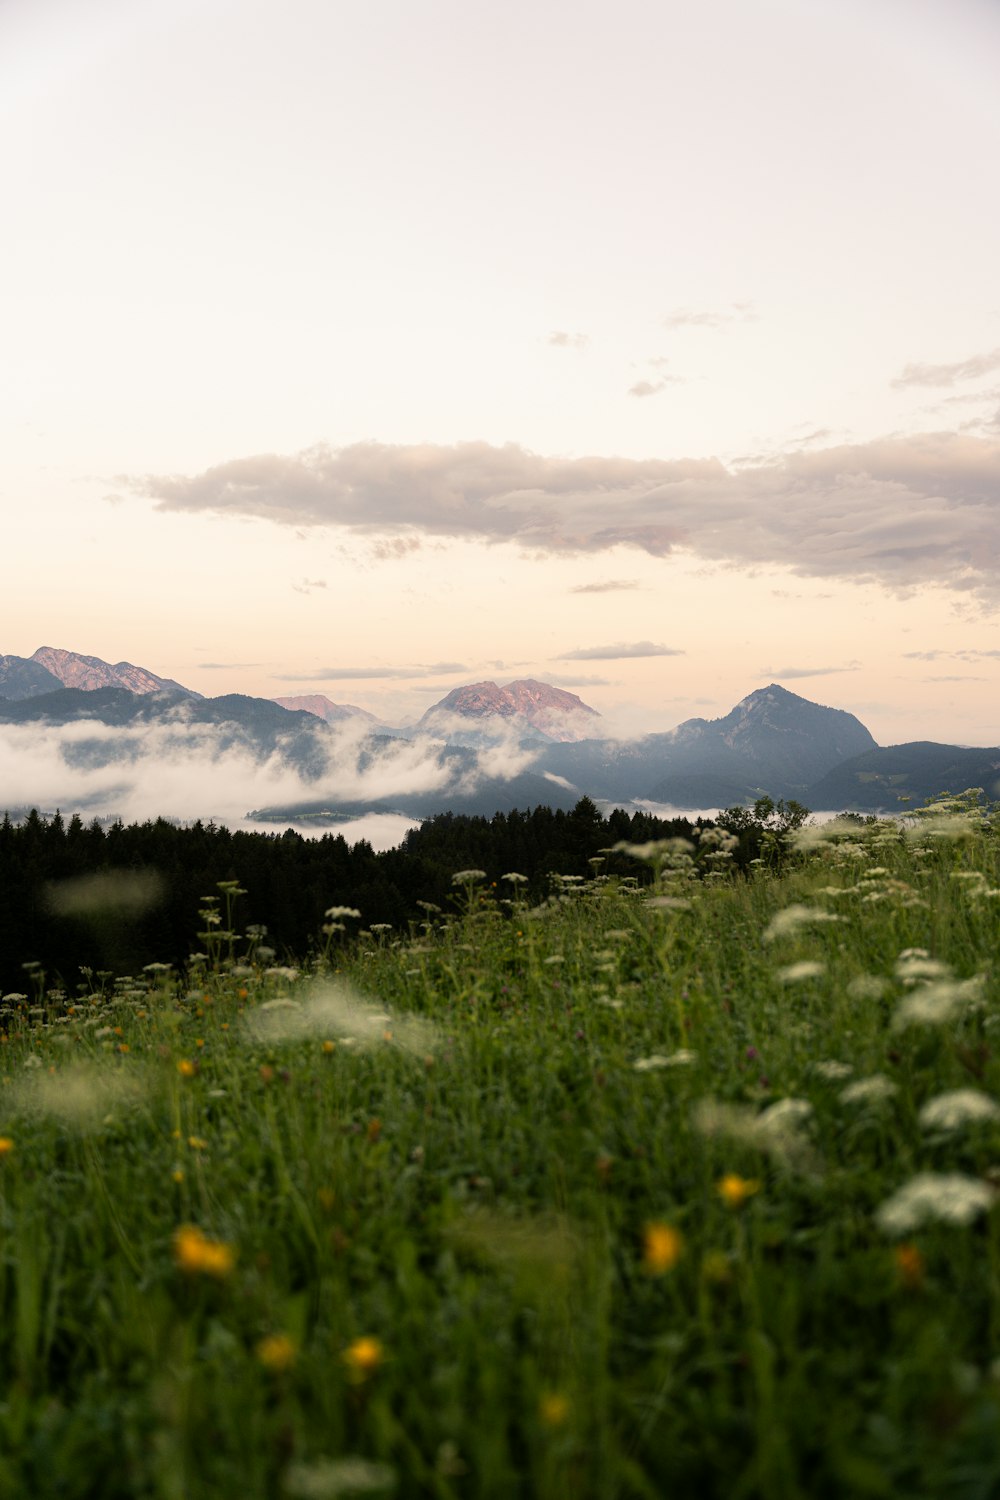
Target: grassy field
x: 686, y: 1191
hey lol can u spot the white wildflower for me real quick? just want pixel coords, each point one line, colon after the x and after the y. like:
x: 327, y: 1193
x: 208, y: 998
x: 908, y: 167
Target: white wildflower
x: 943, y: 1197
x: 465, y: 877
x: 668, y: 903
x: 871, y: 1090
x: 958, y: 1107
x: 683, y: 1058
x: 935, y: 1004
x: 867, y: 987
x: 806, y: 968
x: 515, y: 878
x: 778, y: 1130
x: 833, y: 1070
x: 914, y: 967
x: 330, y: 1478
x: 793, y: 919
x: 335, y: 913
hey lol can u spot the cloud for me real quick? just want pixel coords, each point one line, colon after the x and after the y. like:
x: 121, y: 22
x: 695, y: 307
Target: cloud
x: 648, y: 387
x: 936, y: 655
x: 569, y: 680
x: 227, y: 666
x: 619, y: 652
x: 963, y: 369
x: 686, y: 317
x: 607, y: 586
x: 902, y: 511
x: 778, y: 673
x: 184, y: 769
x: 363, y: 674
x: 392, y: 549
x: 307, y: 585
x: 560, y: 339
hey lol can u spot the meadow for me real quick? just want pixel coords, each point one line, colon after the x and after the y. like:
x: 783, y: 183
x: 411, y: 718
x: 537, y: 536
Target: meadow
x: 687, y: 1188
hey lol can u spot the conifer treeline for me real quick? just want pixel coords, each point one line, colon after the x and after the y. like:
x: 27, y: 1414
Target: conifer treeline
x: 289, y: 880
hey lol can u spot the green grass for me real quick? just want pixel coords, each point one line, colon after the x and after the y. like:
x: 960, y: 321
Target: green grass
x: 469, y: 1182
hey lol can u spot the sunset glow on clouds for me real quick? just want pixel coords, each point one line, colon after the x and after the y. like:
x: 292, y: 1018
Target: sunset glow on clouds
x: 648, y: 348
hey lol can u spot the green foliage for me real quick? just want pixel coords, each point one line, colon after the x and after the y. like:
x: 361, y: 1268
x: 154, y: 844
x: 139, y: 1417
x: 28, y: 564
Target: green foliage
x: 633, y: 1189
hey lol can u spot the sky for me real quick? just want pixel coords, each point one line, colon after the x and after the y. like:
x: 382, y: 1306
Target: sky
x: 651, y: 350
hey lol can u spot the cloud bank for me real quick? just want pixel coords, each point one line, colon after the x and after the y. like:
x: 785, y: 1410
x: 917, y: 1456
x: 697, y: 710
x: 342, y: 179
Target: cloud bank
x: 182, y: 769
x: 901, y: 511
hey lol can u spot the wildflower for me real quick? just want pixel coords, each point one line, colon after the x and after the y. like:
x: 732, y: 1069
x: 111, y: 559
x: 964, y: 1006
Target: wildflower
x: 831, y: 1069
x: 464, y: 877
x: 326, y: 1478
x: 276, y: 1352
x: 186, y: 1068
x: 956, y: 1108
x: 948, y: 1197
x: 662, y: 1248
x: 935, y: 1004
x: 680, y: 1059
x: 329, y: 1047
x: 794, y: 918
x: 515, y: 878
x: 910, y: 1265
x: 914, y: 965
x: 197, y: 1143
x: 867, y: 987
x: 195, y: 1254
x: 735, y: 1190
x: 806, y: 968
x: 363, y: 1357
x: 868, y: 1090
x: 784, y: 1115
x: 336, y: 912
x: 6, y: 1146
x: 553, y: 1409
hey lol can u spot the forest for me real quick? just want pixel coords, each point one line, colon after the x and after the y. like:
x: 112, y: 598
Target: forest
x: 288, y: 882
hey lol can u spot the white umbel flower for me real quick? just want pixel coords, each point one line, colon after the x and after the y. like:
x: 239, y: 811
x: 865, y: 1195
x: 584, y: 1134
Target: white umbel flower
x: 942, y: 1197
x: 957, y: 1108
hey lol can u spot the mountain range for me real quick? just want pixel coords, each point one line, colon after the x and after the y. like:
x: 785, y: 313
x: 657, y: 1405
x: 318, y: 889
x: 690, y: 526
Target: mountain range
x: 496, y: 747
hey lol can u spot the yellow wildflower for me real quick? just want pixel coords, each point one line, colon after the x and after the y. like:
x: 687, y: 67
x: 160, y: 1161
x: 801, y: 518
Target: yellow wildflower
x: 196, y: 1254
x: 6, y: 1145
x: 363, y: 1357
x: 186, y: 1068
x: 735, y: 1190
x: 662, y: 1248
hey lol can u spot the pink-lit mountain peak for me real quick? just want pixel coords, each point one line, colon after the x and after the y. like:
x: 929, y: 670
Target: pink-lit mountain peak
x: 537, y: 705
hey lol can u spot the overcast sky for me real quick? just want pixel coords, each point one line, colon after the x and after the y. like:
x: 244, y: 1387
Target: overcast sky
x: 646, y: 348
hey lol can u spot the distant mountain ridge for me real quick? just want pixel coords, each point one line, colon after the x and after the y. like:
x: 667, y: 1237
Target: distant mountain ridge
x: 772, y: 742
x: 320, y: 705
x: 89, y: 672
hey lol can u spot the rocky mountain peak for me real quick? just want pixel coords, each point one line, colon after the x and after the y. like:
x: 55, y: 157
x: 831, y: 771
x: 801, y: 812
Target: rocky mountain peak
x: 547, y: 710
x: 89, y: 672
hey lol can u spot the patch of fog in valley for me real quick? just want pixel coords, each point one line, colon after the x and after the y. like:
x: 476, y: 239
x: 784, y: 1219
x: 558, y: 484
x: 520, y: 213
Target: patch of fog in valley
x: 187, y: 771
